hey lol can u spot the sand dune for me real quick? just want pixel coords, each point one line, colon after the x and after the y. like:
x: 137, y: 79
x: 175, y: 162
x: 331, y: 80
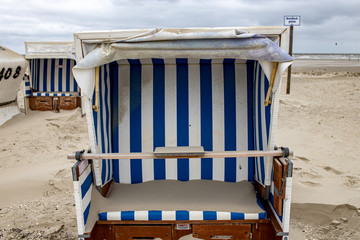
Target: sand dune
x: 319, y: 121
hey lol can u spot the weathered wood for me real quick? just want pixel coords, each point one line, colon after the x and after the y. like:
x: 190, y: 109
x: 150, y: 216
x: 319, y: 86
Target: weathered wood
x: 208, y: 154
x: 235, y: 232
x: 142, y: 232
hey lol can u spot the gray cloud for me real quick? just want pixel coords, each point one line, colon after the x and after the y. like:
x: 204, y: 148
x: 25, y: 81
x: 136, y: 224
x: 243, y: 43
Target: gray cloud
x: 323, y: 22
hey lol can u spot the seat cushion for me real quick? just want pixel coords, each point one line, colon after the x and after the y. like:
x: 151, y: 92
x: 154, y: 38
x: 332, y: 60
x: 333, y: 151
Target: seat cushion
x: 54, y: 94
x: 176, y: 200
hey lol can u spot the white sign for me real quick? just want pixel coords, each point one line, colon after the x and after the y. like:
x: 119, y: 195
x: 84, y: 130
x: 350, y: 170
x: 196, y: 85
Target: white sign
x: 292, y: 20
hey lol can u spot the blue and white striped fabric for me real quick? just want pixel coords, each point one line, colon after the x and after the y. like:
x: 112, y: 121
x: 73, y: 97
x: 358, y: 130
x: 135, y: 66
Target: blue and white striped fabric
x: 178, y: 215
x: 51, y: 94
x: 148, y: 103
x: 262, y: 118
x: 27, y: 88
x: 82, y: 193
x: 53, y: 75
x: 102, y: 123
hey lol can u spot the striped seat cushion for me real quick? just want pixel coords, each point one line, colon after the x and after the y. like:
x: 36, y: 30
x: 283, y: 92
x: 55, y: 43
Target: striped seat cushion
x: 54, y: 94
x: 177, y: 200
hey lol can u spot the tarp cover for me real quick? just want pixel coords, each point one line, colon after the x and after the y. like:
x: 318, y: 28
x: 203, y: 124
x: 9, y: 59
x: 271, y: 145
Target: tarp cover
x: 12, y: 70
x: 49, y: 50
x: 174, y: 43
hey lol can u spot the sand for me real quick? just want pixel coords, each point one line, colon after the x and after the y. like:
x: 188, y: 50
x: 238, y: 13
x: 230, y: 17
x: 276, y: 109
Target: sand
x: 319, y: 121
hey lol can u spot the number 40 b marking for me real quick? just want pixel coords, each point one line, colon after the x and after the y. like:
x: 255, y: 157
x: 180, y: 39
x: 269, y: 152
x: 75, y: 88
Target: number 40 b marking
x: 7, y: 74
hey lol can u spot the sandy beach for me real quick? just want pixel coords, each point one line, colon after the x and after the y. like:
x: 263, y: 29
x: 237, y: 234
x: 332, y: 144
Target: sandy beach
x: 319, y: 121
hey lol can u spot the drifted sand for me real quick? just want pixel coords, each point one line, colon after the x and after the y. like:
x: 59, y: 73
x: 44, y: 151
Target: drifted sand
x: 319, y: 121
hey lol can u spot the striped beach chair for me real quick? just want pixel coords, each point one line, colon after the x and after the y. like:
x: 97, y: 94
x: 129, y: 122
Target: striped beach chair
x: 179, y: 143
x: 51, y: 83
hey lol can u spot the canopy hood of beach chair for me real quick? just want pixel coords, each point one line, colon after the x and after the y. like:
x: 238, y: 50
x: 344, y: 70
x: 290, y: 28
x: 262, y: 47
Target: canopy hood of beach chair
x: 179, y: 43
x: 49, y: 50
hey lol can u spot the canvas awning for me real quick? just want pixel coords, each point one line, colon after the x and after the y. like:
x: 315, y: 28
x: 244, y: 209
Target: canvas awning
x: 49, y: 50
x: 176, y: 43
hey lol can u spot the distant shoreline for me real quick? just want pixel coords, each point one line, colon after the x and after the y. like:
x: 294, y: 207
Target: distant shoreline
x: 327, y: 56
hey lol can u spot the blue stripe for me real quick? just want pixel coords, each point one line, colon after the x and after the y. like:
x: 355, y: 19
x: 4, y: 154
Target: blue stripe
x: 250, y: 115
x: 86, y: 213
x: 103, y: 216
x: 28, y: 92
x: 45, y: 75
x: 135, y: 119
x: 27, y: 84
x: 230, y: 117
x: 85, y: 186
x: 32, y: 72
x: 52, y: 75
x: 237, y: 216
x: 114, y: 83
x: 182, y: 215
x: 73, y: 79
x: 209, y: 215
x: 47, y: 94
x: 182, y: 116
x: 260, y: 103
x: 206, y: 117
x: 128, y: 215
x: 155, y: 215
x: 159, y: 115
x: 267, y: 110
x: 60, y: 73
x: 68, y: 69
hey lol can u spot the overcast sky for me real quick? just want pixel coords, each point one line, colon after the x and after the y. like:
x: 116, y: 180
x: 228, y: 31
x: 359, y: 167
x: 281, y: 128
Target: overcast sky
x: 326, y: 26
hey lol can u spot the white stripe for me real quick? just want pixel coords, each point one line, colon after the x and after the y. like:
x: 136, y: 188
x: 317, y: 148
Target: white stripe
x: 103, y: 126
x: 78, y: 207
x: 113, y: 215
x: 170, y: 118
x: 110, y: 174
x: 223, y: 215
x: 251, y: 216
x: 241, y: 120
x: 194, y: 118
x: 41, y: 75
x: 196, y: 215
x: 48, y: 73
x: 64, y: 75
x: 218, y: 120
x: 56, y: 82
x: 124, y: 121
x: 147, y: 120
x: 168, y: 215
x: 257, y: 165
x: 141, y: 215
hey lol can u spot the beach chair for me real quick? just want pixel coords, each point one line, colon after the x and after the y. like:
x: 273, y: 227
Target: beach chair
x: 182, y: 126
x: 51, y: 85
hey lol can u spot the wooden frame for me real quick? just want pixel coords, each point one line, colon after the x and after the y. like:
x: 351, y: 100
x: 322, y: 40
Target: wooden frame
x: 206, y: 154
x: 262, y: 229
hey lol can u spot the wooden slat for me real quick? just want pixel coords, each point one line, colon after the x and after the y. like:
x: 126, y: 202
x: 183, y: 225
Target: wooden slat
x: 150, y: 155
x: 209, y: 232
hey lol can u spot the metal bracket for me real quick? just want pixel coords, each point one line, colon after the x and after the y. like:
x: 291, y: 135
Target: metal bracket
x: 78, y: 154
x: 83, y: 236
